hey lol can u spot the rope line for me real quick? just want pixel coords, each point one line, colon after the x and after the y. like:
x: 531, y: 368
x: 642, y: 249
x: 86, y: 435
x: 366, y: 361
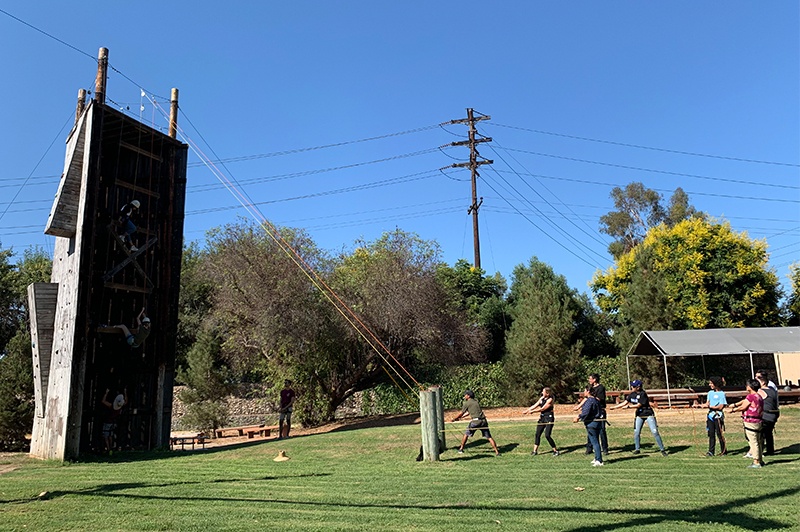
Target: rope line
x: 272, y: 231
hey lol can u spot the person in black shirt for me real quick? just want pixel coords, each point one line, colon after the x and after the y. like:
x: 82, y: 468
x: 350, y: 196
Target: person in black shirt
x: 644, y: 413
x: 546, y: 419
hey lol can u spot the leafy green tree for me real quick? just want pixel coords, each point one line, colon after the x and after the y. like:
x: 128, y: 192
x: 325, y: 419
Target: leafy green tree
x: 482, y: 298
x: 639, y: 208
x: 793, y: 302
x: 695, y: 275
x: 271, y: 310
x: 208, y: 382
x: 16, y: 368
x: 16, y: 393
x: 194, y: 302
x: 543, y: 348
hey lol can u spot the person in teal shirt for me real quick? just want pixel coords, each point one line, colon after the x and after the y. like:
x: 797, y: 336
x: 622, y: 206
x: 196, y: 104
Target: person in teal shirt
x: 715, y: 420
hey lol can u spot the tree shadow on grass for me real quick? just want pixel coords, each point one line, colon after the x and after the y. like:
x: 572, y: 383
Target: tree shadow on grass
x: 114, y: 489
x: 729, y: 513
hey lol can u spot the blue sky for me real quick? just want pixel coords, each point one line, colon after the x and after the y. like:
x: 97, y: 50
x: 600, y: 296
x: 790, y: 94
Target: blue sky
x: 577, y: 93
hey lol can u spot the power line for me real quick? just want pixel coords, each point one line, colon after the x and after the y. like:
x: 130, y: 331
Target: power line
x: 639, y: 146
x: 666, y: 172
x: 313, y: 148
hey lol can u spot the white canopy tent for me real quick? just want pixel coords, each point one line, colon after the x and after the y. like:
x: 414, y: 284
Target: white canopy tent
x: 716, y: 342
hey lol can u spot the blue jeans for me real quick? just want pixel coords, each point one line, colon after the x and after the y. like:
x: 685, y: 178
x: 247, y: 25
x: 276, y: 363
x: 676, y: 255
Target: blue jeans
x: 593, y: 431
x: 637, y: 430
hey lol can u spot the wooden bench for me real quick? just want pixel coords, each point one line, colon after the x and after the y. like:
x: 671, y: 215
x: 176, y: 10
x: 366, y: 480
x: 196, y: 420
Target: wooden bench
x: 183, y: 441
x: 249, y: 430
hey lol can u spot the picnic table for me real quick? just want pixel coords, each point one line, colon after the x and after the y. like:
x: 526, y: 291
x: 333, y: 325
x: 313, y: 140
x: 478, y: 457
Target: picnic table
x: 250, y: 430
x: 183, y: 441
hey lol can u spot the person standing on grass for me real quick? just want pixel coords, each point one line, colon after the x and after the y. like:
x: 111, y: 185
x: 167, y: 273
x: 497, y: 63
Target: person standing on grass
x: 715, y: 420
x: 644, y: 413
x: 590, y: 415
x: 752, y: 408
x: 771, y: 412
x: 287, y: 407
x: 600, y: 395
x: 546, y: 419
x: 477, y: 421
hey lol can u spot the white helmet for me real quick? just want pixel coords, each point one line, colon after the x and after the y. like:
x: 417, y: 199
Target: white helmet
x: 136, y: 203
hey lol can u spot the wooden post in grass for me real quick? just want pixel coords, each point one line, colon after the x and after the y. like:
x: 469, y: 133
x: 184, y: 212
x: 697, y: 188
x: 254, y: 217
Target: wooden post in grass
x: 430, y: 431
x: 438, y: 403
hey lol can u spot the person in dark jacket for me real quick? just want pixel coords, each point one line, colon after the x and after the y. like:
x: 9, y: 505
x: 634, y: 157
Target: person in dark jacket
x: 591, y: 415
x: 771, y: 412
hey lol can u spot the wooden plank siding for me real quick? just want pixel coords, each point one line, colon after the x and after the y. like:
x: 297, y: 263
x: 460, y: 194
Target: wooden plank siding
x: 113, y: 159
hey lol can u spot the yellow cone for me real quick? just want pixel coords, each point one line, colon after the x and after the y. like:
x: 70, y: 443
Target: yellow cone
x: 281, y: 457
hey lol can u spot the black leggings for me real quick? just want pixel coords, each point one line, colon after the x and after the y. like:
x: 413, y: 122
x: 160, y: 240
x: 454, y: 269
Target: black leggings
x: 547, y: 428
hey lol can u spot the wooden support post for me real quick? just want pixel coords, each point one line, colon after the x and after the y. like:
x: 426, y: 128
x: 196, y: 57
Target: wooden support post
x: 438, y: 404
x: 81, y: 104
x: 102, y: 76
x: 173, y: 114
x: 430, y: 437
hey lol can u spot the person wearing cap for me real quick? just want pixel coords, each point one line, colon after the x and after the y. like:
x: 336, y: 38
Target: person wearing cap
x: 715, y: 420
x: 112, y: 413
x: 591, y: 415
x: 126, y: 225
x: 477, y: 421
x: 143, y: 331
x: 644, y: 413
x: 286, y: 409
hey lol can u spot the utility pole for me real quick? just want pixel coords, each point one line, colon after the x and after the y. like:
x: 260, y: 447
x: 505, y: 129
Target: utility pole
x: 473, y: 165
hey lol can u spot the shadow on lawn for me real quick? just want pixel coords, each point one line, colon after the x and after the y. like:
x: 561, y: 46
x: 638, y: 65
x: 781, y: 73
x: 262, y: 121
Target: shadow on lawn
x: 728, y: 513
x: 113, y: 490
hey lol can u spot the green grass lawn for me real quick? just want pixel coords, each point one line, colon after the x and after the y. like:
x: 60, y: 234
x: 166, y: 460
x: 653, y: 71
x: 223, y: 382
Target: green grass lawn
x: 368, y: 480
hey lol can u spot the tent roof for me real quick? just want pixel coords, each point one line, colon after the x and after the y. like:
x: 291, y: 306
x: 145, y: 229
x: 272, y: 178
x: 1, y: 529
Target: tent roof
x: 717, y: 342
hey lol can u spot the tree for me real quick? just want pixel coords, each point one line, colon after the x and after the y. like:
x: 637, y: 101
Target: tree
x: 542, y: 345
x: 638, y: 209
x: 208, y: 383
x: 272, y: 310
x: 16, y: 366
x: 482, y: 298
x: 793, y: 302
x: 194, y: 301
x: 16, y: 393
x: 695, y: 275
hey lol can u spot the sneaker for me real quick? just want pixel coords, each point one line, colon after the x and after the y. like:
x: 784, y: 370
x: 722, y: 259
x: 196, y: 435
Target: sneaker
x: 534, y: 453
x: 589, y: 451
x: 664, y: 453
x: 709, y: 454
x: 636, y: 451
x: 722, y: 453
x: 597, y: 464
x: 461, y: 451
x: 555, y: 453
x: 754, y: 466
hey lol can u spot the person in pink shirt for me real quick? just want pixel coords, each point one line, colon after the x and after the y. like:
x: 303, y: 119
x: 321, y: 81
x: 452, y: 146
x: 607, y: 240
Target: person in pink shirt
x: 752, y: 409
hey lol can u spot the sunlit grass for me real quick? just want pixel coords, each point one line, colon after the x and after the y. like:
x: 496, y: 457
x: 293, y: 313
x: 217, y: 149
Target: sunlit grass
x: 368, y: 480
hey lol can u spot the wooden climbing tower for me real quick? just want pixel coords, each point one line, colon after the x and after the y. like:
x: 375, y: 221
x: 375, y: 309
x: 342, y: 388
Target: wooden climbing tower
x: 97, y: 282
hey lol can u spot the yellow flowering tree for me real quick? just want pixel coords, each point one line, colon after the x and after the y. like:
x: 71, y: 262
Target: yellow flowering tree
x: 697, y: 274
